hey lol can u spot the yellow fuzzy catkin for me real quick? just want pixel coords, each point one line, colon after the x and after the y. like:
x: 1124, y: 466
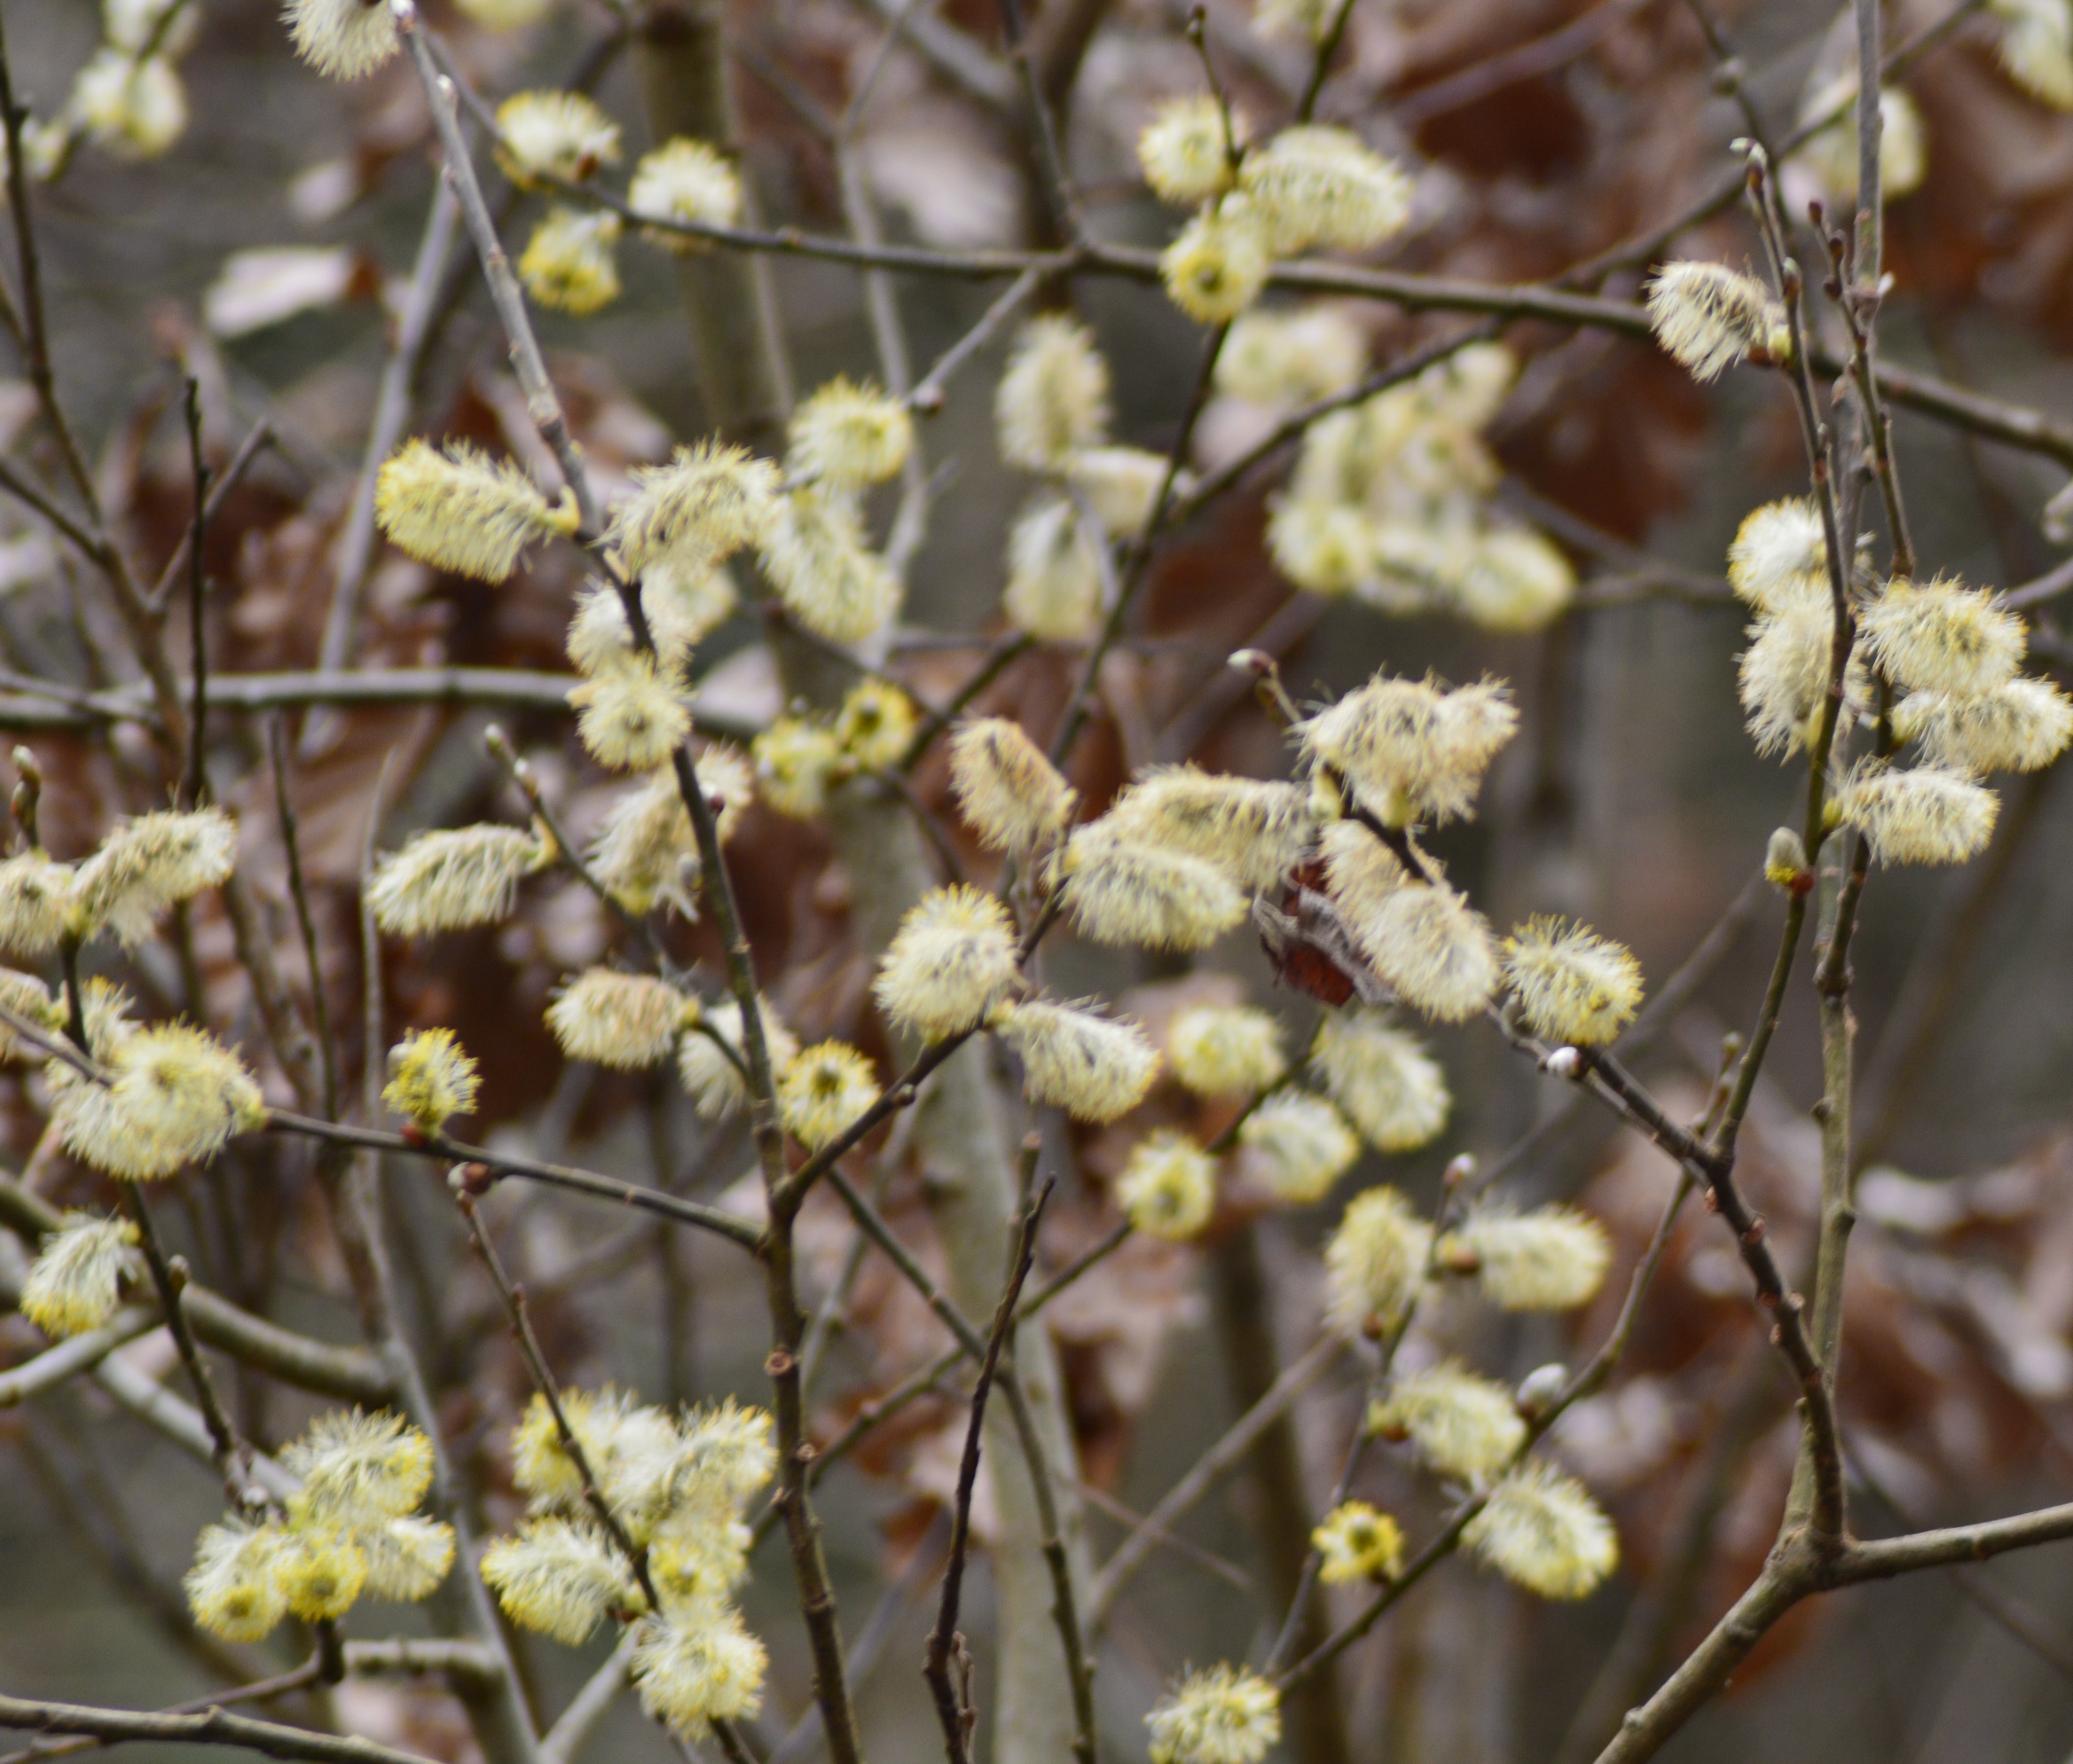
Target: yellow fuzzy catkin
x: 849, y: 436
x: 1129, y: 893
x: 1375, y: 1262
x: 1411, y: 749
x: 1927, y: 815
x: 75, y: 1282
x: 408, y: 1558
x: 505, y: 15
x: 162, y: 27
x: 233, y: 1589
x: 1218, y: 262
x: 357, y: 1469
x: 685, y: 182
x: 1054, y: 588
x: 1278, y: 358
x: 632, y: 718
x: 1779, y: 554
x: 1541, y: 1530
x: 1831, y: 154
x: 681, y: 607
x: 1463, y: 1424
x: 1300, y: 1145
x: 1094, y: 1068
x: 1010, y: 795
x: 1318, y: 186
x: 341, y: 39
x: 27, y: 996
x: 1357, y: 1542
x: 1186, y: 150
x: 696, y: 1665
x: 174, y: 1095
x: 559, y: 1578
x: 1311, y: 19
x: 147, y: 866
x: 321, y: 1574
x: 1121, y: 485
x: 2021, y: 726
x: 623, y: 1020
x: 876, y: 724
x: 796, y: 761
x: 1943, y: 636
x: 646, y: 854
x: 818, y: 557
x: 1388, y: 1086
x: 457, y: 509
x: 1053, y: 398
x: 2036, y: 48
x: 431, y: 1079
x: 1226, y: 1050
x: 36, y: 900
x: 711, y: 1079
x: 1168, y: 1186
x: 1785, y: 672
x: 1552, y: 1258
x: 1256, y: 830
x: 951, y: 961
x: 1513, y: 581
x: 697, y: 512
x: 1572, y: 985
x: 569, y: 264
x: 1433, y: 949
x: 453, y: 878
x: 1225, y: 1715
x: 825, y: 1091
x: 1325, y: 547
x: 133, y: 108
x: 1709, y: 317
x: 561, y: 135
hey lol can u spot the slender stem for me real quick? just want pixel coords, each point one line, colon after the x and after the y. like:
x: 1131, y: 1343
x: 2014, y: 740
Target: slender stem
x: 954, y: 1706
x: 528, y: 1344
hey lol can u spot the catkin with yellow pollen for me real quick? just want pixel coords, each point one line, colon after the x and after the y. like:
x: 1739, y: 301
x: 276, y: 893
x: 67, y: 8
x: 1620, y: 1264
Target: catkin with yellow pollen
x: 1709, y: 317
x: 75, y: 1282
x: 1388, y: 1086
x: 1225, y: 1715
x: 1168, y: 1186
x: 1053, y: 398
x: 685, y: 182
x: 561, y: 135
x: 453, y: 878
x: 1008, y: 792
x: 1461, y: 1423
x: 849, y: 437
x: 1128, y: 892
x: 1188, y: 149
x: 1375, y: 1261
x: 824, y: 1092
x: 341, y: 39
x: 431, y: 1079
x: 623, y: 1020
x: 951, y: 961
x: 173, y: 1097
x: 1300, y: 1145
x: 1925, y: 815
x: 1572, y: 986
x: 457, y: 509
x: 1094, y: 1068
x: 1541, y: 1530
x: 145, y: 868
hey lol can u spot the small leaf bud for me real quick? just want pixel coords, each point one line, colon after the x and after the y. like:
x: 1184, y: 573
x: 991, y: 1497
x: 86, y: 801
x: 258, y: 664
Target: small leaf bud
x: 1538, y: 1390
